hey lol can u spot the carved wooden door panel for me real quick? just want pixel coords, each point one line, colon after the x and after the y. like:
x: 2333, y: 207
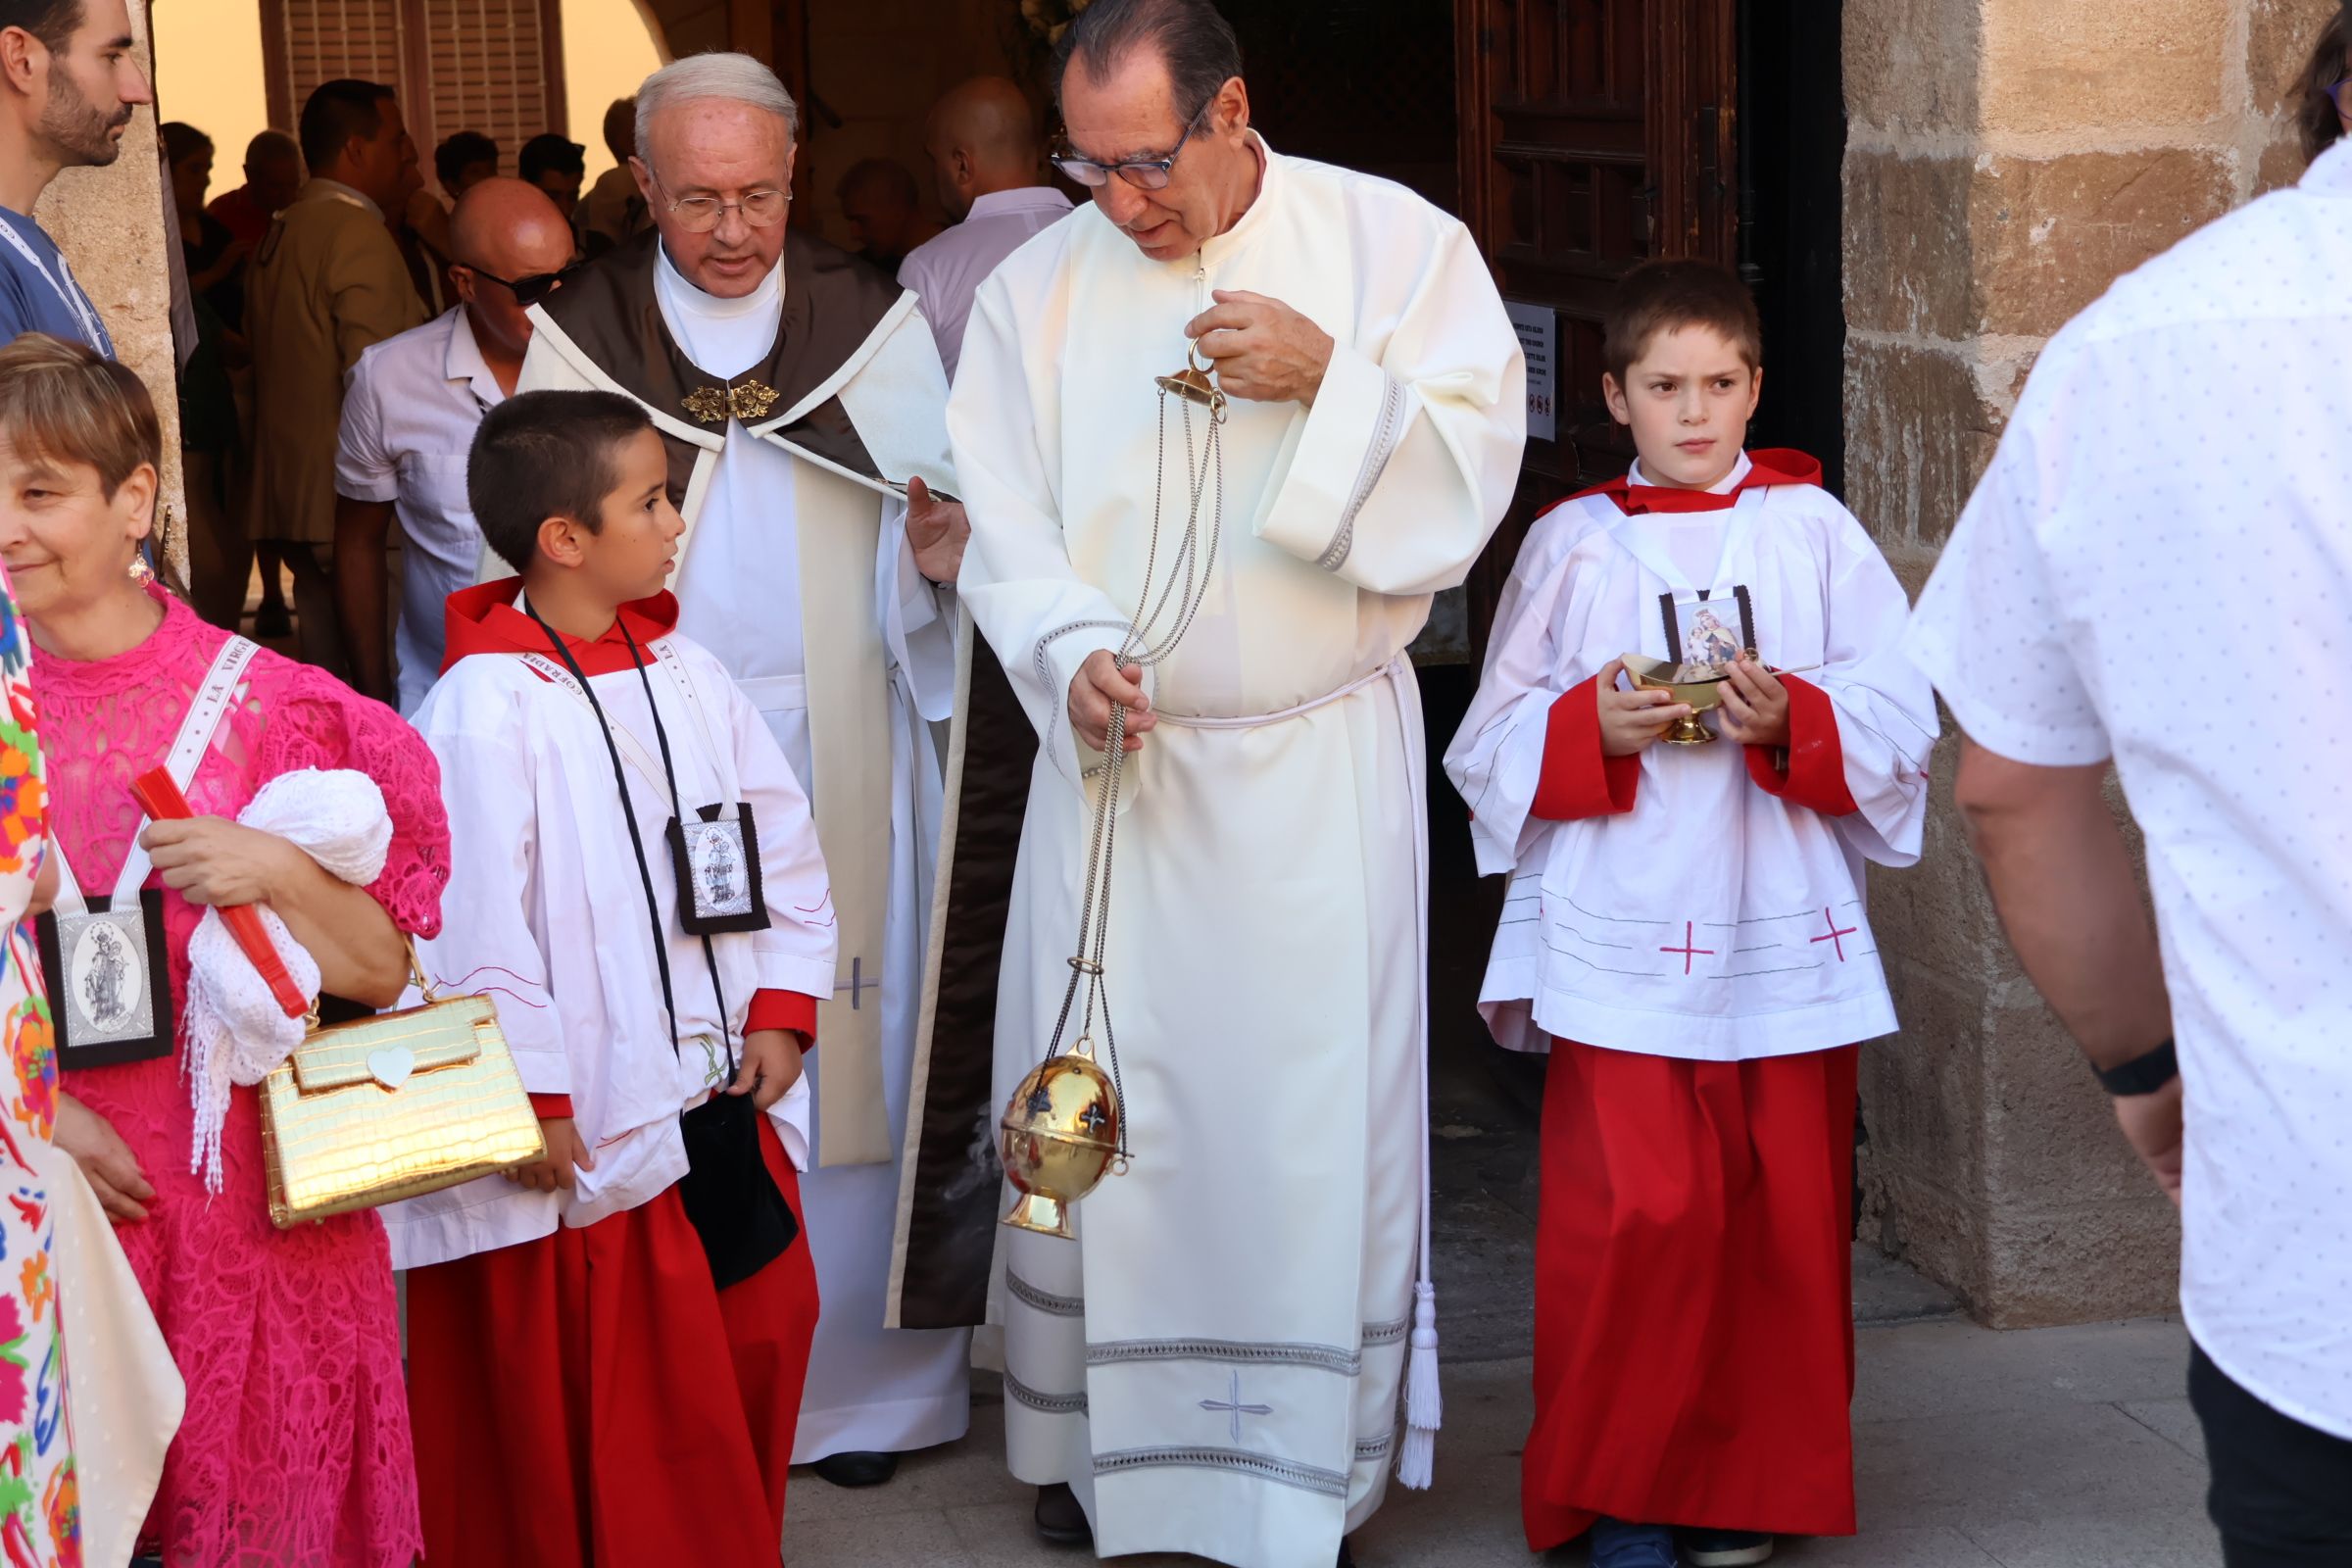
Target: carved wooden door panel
x: 1596, y: 134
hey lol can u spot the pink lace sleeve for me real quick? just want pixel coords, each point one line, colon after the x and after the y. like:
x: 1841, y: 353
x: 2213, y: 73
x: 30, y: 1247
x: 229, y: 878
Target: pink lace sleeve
x: 316, y: 721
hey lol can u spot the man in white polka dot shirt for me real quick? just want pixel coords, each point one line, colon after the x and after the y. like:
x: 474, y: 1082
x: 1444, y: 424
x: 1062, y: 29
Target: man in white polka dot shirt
x: 2157, y: 574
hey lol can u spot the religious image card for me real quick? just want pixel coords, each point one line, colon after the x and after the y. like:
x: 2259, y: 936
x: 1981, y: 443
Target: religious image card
x: 110, y: 991
x: 1709, y: 629
x: 717, y: 858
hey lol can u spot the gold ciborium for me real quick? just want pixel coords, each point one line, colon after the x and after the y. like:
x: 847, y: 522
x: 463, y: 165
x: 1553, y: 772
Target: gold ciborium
x: 1059, y: 1136
x: 1699, y: 685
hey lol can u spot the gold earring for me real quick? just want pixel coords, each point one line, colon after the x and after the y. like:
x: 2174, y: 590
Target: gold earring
x: 141, y: 572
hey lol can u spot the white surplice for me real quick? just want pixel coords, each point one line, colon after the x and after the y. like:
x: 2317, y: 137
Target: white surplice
x: 869, y: 1387
x: 1214, y: 1364
x: 1758, y: 944
x: 545, y: 913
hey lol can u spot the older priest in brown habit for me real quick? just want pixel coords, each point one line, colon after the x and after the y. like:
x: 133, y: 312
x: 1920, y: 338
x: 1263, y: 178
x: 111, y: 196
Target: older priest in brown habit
x: 802, y: 400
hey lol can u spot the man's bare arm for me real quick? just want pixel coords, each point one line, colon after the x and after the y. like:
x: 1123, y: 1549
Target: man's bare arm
x: 2062, y: 879
x: 363, y: 529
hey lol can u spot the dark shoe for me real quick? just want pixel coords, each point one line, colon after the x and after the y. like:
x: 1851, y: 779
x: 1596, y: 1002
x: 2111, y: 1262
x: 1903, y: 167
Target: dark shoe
x: 1347, y: 1557
x: 1059, y: 1519
x: 1725, y: 1548
x: 273, y: 620
x: 1616, y: 1544
x: 857, y: 1469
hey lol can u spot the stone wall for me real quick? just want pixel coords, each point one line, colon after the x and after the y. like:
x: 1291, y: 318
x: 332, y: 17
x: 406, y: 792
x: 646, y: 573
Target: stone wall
x: 2006, y: 160
x: 110, y: 224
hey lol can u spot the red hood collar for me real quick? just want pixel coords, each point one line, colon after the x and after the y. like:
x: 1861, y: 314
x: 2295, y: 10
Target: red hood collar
x: 1767, y: 468
x: 483, y: 620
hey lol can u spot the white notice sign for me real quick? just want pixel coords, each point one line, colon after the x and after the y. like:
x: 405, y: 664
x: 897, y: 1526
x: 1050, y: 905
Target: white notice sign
x: 1539, y: 328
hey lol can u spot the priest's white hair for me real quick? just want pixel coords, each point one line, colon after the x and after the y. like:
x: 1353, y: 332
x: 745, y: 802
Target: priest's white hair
x: 735, y: 77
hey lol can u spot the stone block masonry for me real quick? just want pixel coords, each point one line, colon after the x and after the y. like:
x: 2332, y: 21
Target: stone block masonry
x: 2006, y: 160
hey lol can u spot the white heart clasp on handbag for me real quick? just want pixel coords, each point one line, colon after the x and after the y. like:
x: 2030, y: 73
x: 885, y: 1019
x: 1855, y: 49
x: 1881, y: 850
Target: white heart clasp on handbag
x: 391, y: 1066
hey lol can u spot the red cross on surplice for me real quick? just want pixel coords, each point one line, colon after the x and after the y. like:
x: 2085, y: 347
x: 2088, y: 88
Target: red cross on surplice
x: 1689, y: 949
x: 1835, y: 934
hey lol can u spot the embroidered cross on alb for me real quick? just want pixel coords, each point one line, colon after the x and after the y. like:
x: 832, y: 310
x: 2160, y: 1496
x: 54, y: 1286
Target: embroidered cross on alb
x: 1835, y: 934
x: 857, y: 983
x: 1689, y: 949
x: 1234, y: 1408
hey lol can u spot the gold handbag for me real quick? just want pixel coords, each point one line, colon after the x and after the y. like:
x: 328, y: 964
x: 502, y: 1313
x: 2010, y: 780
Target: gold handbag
x: 394, y: 1107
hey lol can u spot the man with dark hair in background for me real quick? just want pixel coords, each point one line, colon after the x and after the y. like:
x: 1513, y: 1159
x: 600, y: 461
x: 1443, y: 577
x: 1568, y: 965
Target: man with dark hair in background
x: 328, y: 283
x: 555, y: 165
x: 69, y: 82
x: 879, y: 198
x: 464, y: 161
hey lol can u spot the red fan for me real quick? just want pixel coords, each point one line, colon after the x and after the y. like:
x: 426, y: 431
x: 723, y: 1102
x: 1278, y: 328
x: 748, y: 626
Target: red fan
x: 160, y: 799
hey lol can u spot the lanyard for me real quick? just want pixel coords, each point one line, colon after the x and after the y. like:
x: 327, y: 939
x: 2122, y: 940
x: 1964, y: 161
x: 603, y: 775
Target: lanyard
x: 197, y: 729
x: 628, y: 816
x: 1645, y: 546
x: 93, y: 331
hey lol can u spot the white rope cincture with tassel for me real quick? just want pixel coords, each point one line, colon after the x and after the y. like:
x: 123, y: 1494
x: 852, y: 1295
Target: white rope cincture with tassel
x: 1424, y: 1408
x: 237, y: 1033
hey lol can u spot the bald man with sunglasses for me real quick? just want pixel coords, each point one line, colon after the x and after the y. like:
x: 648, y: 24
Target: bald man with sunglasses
x: 409, y: 416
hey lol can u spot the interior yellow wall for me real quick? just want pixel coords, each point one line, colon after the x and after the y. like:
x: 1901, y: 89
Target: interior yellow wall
x: 209, y: 71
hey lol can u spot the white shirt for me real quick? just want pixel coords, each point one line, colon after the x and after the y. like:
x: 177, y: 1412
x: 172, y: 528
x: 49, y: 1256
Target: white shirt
x: 945, y: 271
x: 410, y: 409
x: 2155, y: 570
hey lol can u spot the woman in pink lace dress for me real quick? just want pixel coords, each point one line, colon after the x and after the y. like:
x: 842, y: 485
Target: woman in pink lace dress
x: 295, y: 1446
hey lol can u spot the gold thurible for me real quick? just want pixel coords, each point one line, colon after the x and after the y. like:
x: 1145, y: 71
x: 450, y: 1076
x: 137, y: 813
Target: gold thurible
x: 1064, y: 1128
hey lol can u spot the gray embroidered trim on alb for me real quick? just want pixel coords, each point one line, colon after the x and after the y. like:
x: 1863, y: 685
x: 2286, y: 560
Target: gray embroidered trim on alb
x: 1372, y: 1448
x: 1044, y: 1301
x: 1385, y: 436
x: 1387, y: 1333
x: 1044, y: 671
x: 1263, y: 1466
x: 1049, y: 1404
x: 1248, y: 1352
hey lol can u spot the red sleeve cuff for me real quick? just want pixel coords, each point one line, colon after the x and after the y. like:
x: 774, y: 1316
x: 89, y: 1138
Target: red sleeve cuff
x: 783, y: 1010
x: 1812, y: 773
x: 1576, y: 780
x: 550, y: 1107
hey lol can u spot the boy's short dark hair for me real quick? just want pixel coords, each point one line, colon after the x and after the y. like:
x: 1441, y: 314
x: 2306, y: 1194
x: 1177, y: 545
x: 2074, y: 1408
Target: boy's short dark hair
x: 1667, y: 296
x: 542, y: 455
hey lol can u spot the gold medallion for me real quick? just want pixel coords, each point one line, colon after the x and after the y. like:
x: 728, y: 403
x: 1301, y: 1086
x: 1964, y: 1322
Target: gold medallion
x: 749, y: 401
x: 708, y: 405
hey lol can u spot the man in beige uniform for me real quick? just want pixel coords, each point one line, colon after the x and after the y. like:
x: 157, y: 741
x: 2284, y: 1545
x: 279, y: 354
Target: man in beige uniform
x: 328, y: 283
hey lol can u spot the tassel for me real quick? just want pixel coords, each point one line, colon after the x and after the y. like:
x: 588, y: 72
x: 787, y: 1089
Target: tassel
x: 1424, y: 1410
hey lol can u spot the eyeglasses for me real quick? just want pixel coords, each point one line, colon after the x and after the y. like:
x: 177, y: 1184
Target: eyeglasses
x: 526, y: 290
x: 2336, y: 94
x: 700, y: 215
x: 1144, y: 173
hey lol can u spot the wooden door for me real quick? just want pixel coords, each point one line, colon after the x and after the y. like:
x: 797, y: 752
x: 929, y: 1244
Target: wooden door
x: 1596, y: 134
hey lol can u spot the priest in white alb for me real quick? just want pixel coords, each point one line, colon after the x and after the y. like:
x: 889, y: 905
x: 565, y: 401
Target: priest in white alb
x: 802, y: 401
x: 1215, y: 1364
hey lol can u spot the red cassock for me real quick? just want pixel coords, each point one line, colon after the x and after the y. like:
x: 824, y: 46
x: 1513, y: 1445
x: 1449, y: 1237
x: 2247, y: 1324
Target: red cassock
x: 1694, y: 1347
x: 591, y: 1398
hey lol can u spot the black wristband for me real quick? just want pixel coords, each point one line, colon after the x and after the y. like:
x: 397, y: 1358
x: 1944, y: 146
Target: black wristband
x: 2142, y: 1074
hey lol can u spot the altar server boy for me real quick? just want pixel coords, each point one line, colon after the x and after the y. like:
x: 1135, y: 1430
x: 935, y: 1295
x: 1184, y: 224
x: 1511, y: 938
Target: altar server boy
x: 606, y: 1349
x: 1684, y: 931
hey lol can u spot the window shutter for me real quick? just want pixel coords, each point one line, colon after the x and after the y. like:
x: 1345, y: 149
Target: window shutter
x: 492, y: 66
